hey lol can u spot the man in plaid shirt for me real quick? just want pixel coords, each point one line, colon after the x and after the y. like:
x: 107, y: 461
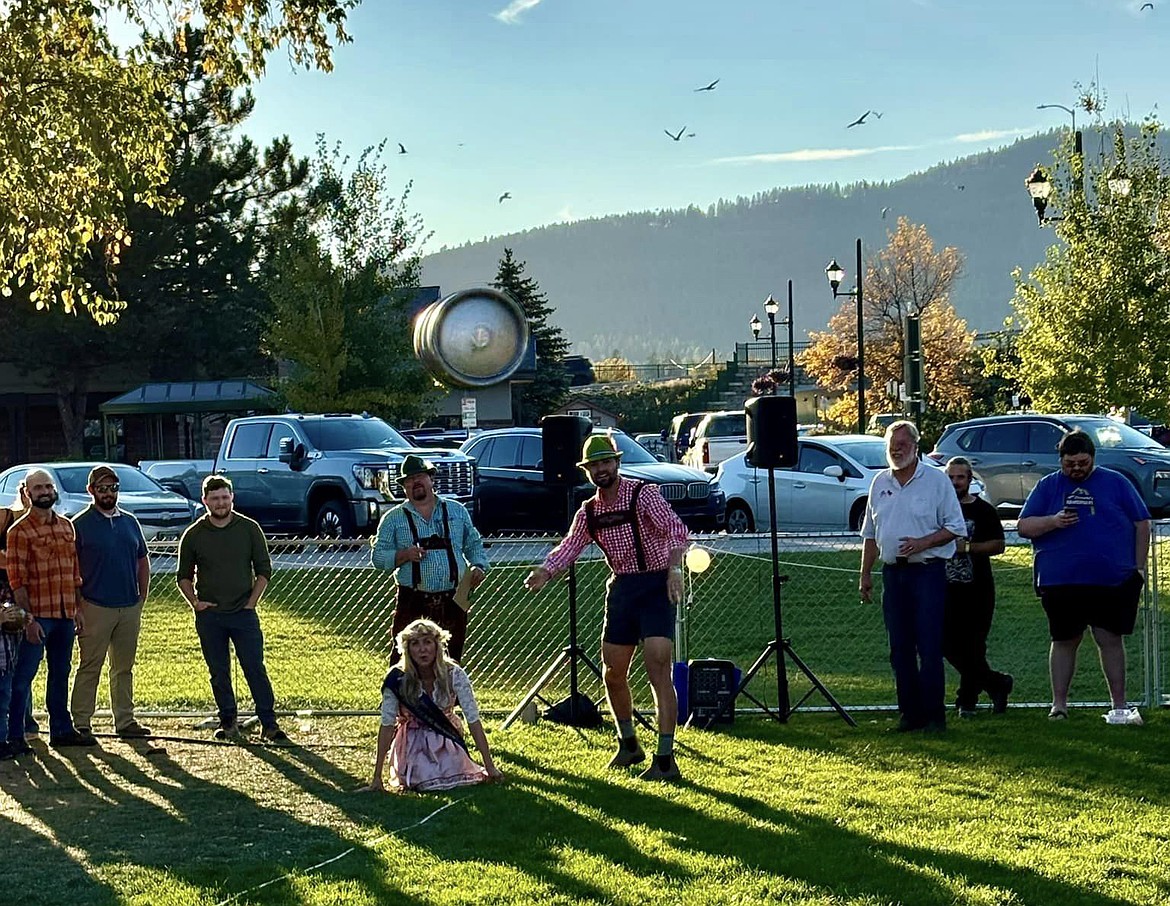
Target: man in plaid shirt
x: 643, y: 541
x: 46, y: 582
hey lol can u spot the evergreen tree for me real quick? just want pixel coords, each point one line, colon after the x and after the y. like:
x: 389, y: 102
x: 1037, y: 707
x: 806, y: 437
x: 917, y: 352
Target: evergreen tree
x: 551, y: 384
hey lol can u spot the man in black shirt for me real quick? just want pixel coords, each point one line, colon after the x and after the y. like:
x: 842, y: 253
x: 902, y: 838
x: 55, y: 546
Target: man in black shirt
x: 971, y: 598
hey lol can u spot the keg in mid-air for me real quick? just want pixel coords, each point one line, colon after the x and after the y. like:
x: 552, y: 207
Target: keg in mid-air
x: 472, y: 338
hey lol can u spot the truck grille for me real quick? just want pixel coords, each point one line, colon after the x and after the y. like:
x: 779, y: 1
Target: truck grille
x: 452, y: 479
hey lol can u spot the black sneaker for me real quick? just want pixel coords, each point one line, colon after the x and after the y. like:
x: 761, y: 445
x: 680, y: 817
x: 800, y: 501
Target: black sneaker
x: 999, y: 700
x: 134, y: 730
x: 229, y: 732
x: 628, y: 754
x: 275, y: 735
x: 72, y: 739
x: 6, y: 753
x: 19, y: 747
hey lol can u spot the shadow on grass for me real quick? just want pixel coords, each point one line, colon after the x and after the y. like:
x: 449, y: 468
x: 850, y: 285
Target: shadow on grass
x: 108, y: 827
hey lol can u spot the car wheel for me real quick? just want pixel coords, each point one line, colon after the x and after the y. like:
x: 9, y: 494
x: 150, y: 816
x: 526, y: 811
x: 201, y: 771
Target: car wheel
x: 739, y: 519
x: 333, y: 520
x: 856, y: 515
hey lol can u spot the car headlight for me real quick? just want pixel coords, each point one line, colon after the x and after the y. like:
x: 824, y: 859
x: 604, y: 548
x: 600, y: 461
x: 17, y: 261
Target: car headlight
x: 367, y: 477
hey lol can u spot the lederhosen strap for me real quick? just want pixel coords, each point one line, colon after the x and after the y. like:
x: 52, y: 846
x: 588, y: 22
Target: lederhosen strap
x: 425, y: 709
x: 614, y: 518
x: 415, y: 569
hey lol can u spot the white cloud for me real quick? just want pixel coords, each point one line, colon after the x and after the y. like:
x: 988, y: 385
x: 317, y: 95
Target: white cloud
x: 510, y: 14
x: 988, y: 135
x: 811, y: 154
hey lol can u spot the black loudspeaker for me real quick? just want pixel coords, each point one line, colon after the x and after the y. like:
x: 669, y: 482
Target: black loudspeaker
x: 711, y: 686
x: 771, y: 431
x: 562, y: 437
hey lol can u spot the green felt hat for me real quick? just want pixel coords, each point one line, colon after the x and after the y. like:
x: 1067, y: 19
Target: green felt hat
x: 598, y: 447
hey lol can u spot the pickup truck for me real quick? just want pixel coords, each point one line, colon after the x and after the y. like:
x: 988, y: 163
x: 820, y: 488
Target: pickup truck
x: 329, y: 475
x: 719, y: 436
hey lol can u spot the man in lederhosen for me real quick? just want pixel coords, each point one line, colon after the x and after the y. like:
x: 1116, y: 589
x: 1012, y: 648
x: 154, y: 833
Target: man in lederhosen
x: 427, y: 542
x: 643, y: 541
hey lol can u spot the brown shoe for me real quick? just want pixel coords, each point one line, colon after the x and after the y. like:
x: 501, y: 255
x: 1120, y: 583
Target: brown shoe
x: 629, y: 753
x: 662, y: 768
x: 134, y: 730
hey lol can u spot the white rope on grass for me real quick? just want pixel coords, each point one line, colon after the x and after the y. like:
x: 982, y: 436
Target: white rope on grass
x: 369, y: 844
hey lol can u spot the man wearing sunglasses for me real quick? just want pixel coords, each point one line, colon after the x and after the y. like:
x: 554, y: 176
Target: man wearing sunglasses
x: 115, y: 580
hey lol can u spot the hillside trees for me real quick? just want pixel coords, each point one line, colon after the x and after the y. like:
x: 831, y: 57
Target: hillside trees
x: 550, y: 386
x: 195, y: 309
x: 87, y: 133
x: 342, y: 272
x: 1094, y: 318
x: 907, y: 277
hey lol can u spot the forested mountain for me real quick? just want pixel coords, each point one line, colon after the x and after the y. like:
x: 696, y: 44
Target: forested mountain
x: 651, y: 284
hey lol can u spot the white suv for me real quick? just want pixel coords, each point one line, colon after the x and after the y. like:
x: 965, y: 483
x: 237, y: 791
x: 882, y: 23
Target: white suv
x: 719, y: 436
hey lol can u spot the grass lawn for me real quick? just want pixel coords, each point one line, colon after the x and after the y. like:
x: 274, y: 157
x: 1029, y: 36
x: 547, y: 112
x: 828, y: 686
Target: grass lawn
x: 1005, y: 809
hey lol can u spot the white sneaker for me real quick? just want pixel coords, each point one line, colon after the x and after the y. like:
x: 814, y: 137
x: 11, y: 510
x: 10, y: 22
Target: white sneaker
x: 1124, y: 717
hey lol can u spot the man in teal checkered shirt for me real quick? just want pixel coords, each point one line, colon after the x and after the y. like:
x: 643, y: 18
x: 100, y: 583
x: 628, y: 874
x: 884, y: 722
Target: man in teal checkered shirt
x: 428, y: 542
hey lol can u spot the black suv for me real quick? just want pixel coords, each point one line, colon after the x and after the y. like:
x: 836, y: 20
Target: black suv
x: 511, y: 495
x: 1013, y: 452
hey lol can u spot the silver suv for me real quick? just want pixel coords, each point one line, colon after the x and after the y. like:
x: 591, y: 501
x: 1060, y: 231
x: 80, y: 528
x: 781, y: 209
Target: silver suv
x: 1013, y: 452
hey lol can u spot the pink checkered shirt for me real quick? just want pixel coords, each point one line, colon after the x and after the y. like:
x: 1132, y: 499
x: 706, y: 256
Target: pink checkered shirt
x: 662, y: 532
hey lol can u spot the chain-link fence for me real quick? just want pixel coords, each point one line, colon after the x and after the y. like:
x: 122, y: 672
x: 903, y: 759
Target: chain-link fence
x: 326, y: 619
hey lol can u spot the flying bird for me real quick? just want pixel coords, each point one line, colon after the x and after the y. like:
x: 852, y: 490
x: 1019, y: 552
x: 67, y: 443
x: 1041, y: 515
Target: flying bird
x: 690, y: 135
x: 860, y: 120
x: 676, y: 137
x: 885, y: 211
x: 401, y: 148
x: 505, y: 197
x: 1147, y: 6
x: 710, y: 87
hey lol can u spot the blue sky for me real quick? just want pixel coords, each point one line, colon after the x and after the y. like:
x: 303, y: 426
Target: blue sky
x: 563, y: 103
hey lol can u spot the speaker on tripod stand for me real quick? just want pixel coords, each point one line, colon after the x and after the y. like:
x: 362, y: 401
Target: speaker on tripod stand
x: 562, y: 437
x: 771, y: 430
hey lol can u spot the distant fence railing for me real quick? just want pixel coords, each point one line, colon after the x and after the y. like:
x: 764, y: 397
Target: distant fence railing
x: 606, y: 373
x: 326, y: 618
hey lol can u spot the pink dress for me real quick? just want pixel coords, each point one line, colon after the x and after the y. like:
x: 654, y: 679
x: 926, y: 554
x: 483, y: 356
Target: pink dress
x: 421, y: 759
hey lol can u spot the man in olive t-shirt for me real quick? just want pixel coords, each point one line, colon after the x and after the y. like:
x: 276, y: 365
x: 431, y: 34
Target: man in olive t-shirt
x: 224, y: 568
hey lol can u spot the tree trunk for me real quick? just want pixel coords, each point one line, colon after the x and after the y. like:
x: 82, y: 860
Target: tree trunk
x: 71, y: 399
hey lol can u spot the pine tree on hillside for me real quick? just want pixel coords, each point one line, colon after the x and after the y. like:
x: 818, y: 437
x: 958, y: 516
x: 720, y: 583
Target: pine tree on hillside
x: 551, y: 384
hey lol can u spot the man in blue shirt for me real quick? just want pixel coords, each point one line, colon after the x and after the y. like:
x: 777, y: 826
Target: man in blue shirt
x: 1090, y: 534
x: 428, y: 542
x: 115, y: 580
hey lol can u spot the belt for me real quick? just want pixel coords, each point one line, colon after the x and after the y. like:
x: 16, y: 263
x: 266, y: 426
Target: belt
x: 432, y: 595
x: 902, y: 562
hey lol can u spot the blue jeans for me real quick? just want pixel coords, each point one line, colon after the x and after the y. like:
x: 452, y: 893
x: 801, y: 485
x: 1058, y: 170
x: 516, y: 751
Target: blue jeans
x: 914, y: 605
x: 242, y: 630
x: 5, y: 699
x: 57, y: 648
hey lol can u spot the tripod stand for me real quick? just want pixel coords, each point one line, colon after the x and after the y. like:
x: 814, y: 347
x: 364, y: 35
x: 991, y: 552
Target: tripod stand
x: 782, y: 647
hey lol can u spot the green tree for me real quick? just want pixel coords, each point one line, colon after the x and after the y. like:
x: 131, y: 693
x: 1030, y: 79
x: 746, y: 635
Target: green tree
x: 86, y: 131
x: 342, y: 273
x: 550, y: 386
x: 1093, y: 318
x: 196, y: 309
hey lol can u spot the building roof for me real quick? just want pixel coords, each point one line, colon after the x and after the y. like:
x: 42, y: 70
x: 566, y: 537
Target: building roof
x: 236, y: 395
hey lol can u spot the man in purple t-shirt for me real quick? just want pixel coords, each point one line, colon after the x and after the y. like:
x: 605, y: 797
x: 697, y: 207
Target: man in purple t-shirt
x: 1090, y: 532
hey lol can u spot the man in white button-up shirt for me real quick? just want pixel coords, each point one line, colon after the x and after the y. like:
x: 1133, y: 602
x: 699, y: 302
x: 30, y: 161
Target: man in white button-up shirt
x: 911, y: 522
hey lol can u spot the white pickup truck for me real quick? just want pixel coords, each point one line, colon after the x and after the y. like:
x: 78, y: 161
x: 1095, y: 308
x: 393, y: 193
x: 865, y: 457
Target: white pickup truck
x: 719, y: 436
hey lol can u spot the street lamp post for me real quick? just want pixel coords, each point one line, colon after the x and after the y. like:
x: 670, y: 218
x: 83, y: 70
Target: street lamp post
x: 836, y: 274
x: 791, y: 357
x: 771, y: 307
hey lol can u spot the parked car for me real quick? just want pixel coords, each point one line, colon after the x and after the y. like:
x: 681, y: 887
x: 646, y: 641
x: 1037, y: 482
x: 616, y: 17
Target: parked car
x: 1010, y: 453
x: 825, y: 491
x: 183, y: 476
x: 681, y: 433
x: 719, y: 436
x: 162, y: 514
x: 512, y: 495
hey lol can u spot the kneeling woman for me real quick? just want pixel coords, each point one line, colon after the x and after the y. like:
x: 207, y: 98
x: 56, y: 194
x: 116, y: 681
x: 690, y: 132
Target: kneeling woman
x: 420, y: 731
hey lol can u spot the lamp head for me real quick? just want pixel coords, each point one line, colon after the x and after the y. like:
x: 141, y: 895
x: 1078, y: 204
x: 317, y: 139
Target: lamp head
x: 771, y: 306
x: 755, y: 324
x: 835, y: 273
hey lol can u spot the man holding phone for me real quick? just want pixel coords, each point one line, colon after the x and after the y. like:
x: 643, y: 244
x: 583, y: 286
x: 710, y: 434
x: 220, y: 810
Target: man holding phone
x: 1090, y: 534
x: 429, y: 543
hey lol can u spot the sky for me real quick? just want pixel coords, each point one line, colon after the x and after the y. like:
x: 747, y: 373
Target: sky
x: 565, y: 104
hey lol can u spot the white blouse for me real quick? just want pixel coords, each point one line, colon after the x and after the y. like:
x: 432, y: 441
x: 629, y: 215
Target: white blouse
x: 463, y: 695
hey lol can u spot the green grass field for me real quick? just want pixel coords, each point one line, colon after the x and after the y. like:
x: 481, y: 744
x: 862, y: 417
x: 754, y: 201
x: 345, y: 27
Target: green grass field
x: 1005, y: 809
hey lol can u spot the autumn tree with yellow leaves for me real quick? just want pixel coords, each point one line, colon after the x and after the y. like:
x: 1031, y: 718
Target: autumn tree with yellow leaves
x: 907, y: 277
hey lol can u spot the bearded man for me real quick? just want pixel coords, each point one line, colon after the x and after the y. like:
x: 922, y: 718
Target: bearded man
x: 912, y: 519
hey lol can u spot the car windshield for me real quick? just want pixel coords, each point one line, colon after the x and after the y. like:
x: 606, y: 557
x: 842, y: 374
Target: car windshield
x: 352, y: 434
x: 632, y: 451
x: 73, y: 480
x: 869, y: 453
x: 1108, y: 433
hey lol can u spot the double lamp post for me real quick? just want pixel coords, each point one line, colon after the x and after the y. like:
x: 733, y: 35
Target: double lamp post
x: 771, y: 309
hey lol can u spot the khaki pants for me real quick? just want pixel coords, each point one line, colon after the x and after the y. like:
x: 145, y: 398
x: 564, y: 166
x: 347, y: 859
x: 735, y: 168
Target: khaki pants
x: 112, y: 630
